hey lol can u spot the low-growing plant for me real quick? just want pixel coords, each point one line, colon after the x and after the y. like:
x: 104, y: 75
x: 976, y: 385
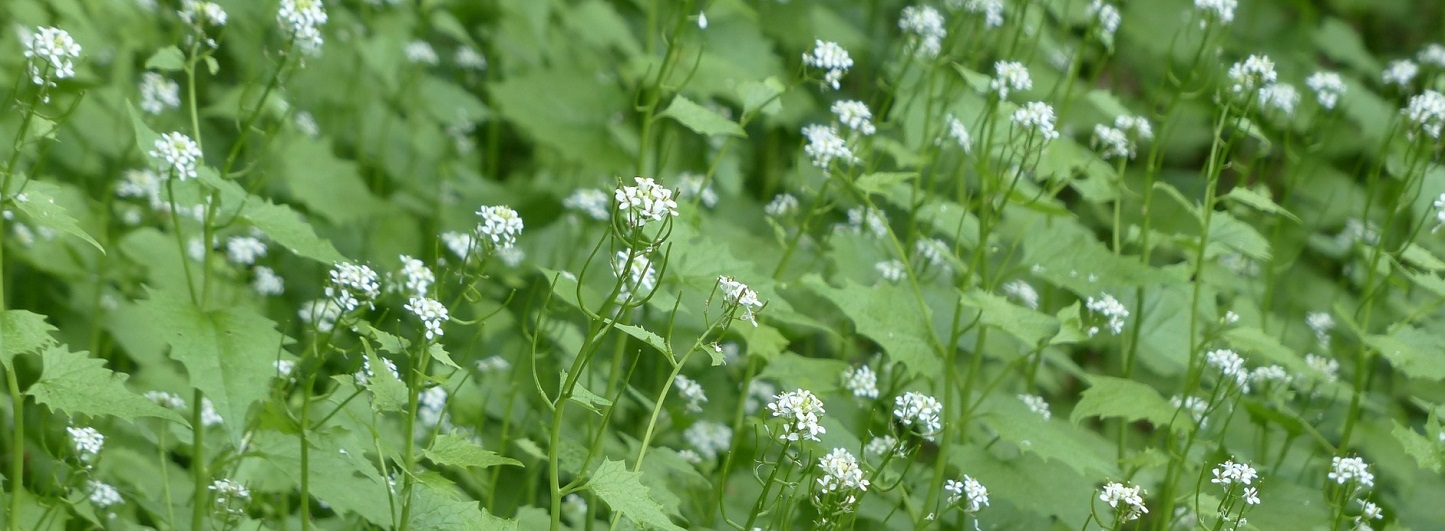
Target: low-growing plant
x: 722, y: 264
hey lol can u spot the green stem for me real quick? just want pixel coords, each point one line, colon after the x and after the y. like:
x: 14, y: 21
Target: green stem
x: 199, y: 501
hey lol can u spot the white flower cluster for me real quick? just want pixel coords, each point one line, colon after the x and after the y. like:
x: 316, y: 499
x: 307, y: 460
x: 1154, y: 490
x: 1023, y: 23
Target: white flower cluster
x: 468, y: 58
x: 970, y: 491
x: 351, y: 285
x: 589, y: 201
x: 1037, y: 404
x: 87, y: 441
x: 800, y: 410
x: 1280, y: 96
x: 1129, y: 496
x: 363, y: 376
x: 49, y: 52
x: 321, y: 312
x: 854, y: 115
x: 1328, y: 369
x: 1230, y: 366
x: 1252, y: 73
x: 1439, y: 205
x: 102, y: 495
x: 165, y: 400
x: 1110, y: 308
x: 244, y: 250
x: 432, y: 314
x: 1231, y: 473
x: 958, y: 133
x: 176, y: 155
x: 416, y: 276
x: 841, y: 472
x: 861, y: 381
x: 266, y: 282
x: 694, y: 185
x: 691, y: 391
x: 828, y: 55
x: 158, y: 93
x: 641, y: 276
x: 1321, y: 323
x: 493, y: 363
x: 431, y: 406
x: 1039, y: 117
x: 1108, y: 17
x: 992, y: 10
x: 760, y: 392
x: 921, y: 412
x: 825, y: 146
x: 1010, y: 76
x: 1432, y: 55
x: 209, y: 416
x: 228, y: 492
x: 740, y: 295
x: 420, y: 52
x: 1022, y: 292
x: 1195, y: 406
x: 871, y: 219
x: 892, y: 271
x: 500, y: 225
x: 284, y: 368
x: 782, y: 205
x: 1269, y: 374
x: 935, y: 253
x: 301, y: 22
x: 925, y: 28
x: 646, y: 202
x: 1220, y: 10
x: 1427, y: 112
x: 1348, y: 470
x: 1400, y: 72
x: 200, y: 15
x: 1327, y: 86
x: 880, y: 445
x: 708, y: 439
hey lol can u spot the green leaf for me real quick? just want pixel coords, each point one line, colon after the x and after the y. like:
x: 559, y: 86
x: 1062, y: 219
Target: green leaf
x: 350, y: 484
x: 279, y: 222
x: 1259, y: 201
x: 1226, y: 230
x: 700, y: 119
x: 1082, y: 450
x: 1412, y: 351
x: 1030, y: 326
x: 439, y: 505
x: 168, y: 59
x: 1422, y: 258
x: 882, y: 182
x: 1425, y: 451
x: 792, y: 371
x: 622, y: 490
x: 76, y: 383
x: 1109, y: 397
x: 451, y: 449
x: 228, y: 352
x: 762, y: 96
x: 38, y: 202
x: 23, y: 332
x: 887, y: 314
x: 586, y: 398
x: 646, y: 336
x: 388, y: 393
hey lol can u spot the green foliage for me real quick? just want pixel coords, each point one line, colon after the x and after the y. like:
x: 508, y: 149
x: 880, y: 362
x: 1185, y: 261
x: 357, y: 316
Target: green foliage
x: 78, y: 384
x: 623, y: 491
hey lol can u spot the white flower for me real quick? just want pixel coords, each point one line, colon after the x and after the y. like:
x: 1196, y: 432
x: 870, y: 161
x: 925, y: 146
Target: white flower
x: 306, y: 124
x: 1270, y: 374
x: 1254, y: 72
x: 1439, y: 205
x: 1229, y: 318
x: 1023, y: 292
x: 244, y: 250
x: 500, y: 225
x: 800, y: 411
x: 925, y: 27
x: 880, y: 445
x: 432, y: 314
x: 855, y: 115
x: 1128, y: 495
x: 1108, y: 17
x: 1110, y: 308
x: 992, y: 10
x: 1230, y: 366
x: 1220, y: 10
x: 1400, y: 73
x: 891, y: 270
x: 209, y: 415
x: 301, y: 22
x: 640, y: 277
x: 166, y: 400
x: 1039, y: 117
x: 1116, y: 144
x: 740, y: 295
x: 935, y: 252
x: 958, y: 133
x: 266, y: 282
x: 1370, y: 511
x: 589, y: 201
x: 1010, y: 76
x: 158, y: 93
x: 1327, y: 86
x: 87, y: 442
x: 321, y: 312
x: 708, y: 438
x: 417, y: 276
x: 1231, y: 473
x: 1138, y: 125
x: 431, y: 406
x: 1037, y: 404
x: 363, y: 376
x: 49, y: 53
x: 1250, y: 496
x: 1328, y: 368
x: 692, y: 184
x: 701, y: 20
x: 467, y: 58
x: 575, y: 508
x: 841, y: 472
x: 646, y: 202
x: 1433, y: 54
x: 284, y: 368
x: 1426, y: 112
x: 920, y: 412
x: 1321, y: 323
x: 494, y: 363
x: 691, y: 391
x: 829, y: 56
x: 1347, y: 470
x: 861, y: 381
x: 176, y: 155
x: 973, y: 493
x: 228, y: 491
x: 102, y: 495
x: 825, y: 146
x: 781, y: 205
x: 1195, y: 406
x: 201, y: 15
x: 1281, y: 96
x: 871, y: 219
x: 421, y: 52
x: 351, y: 285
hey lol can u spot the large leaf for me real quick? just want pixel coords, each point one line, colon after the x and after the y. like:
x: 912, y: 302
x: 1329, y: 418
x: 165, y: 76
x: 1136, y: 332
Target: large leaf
x: 451, y: 449
x: 1086, y: 452
x: 38, y: 202
x: 887, y: 314
x: 76, y: 383
x: 1110, y: 397
x: 1412, y: 351
x: 350, y: 483
x: 228, y: 352
x: 279, y: 222
x: 702, y: 120
x: 1427, y: 452
x: 623, y: 491
x: 22, y: 332
x: 1030, y: 326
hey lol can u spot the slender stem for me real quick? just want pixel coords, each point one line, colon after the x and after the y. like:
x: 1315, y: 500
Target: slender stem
x: 199, y: 501
x: 17, y: 443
